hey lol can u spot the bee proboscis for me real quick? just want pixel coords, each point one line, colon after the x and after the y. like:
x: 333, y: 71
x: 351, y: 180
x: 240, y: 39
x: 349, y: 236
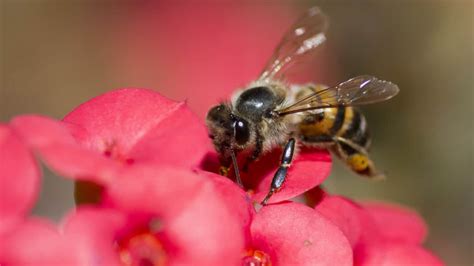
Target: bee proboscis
x: 269, y: 112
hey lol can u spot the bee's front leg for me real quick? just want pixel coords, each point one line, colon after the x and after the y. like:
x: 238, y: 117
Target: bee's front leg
x: 280, y: 175
x: 226, y: 163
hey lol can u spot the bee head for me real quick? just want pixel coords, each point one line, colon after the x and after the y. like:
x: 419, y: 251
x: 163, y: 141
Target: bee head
x: 227, y: 131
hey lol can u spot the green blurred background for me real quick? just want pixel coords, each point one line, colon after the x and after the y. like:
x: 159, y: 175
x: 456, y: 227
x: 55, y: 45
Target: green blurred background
x: 57, y: 54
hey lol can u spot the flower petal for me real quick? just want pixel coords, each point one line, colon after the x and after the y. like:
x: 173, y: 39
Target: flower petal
x: 40, y: 131
x: 180, y: 135
x: 396, y: 254
x: 397, y: 223
x: 53, y: 141
x: 343, y: 213
x: 162, y: 191
x: 37, y: 242
x: 294, y: 234
x: 120, y: 116
x: 94, y: 230
x: 79, y: 163
x: 309, y: 169
x: 236, y: 200
x: 19, y: 178
x: 207, y: 232
x: 142, y: 126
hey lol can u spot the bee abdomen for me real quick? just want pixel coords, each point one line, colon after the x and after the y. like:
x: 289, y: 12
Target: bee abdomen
x: 355, y: 130
x: 339, y: 120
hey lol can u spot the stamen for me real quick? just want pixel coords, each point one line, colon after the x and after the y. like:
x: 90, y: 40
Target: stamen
x: 142, y: 248
x: 256, y: 258
x: 111, y: 150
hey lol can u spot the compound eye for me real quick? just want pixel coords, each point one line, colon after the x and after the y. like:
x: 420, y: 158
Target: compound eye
x: 241, y: 132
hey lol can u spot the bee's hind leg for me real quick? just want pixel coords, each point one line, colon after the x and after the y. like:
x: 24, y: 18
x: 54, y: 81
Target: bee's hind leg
x: 359, y: 161
x: 280, y: 175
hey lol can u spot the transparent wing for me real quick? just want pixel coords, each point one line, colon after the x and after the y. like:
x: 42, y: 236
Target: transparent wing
x: 355, y: 91
x: 302, y: 38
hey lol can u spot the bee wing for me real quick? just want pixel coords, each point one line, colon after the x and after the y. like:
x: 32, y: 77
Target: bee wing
x: 355, y: 91
x: 302, y: 38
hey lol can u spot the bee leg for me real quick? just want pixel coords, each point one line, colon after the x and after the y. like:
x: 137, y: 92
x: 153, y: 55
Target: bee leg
x: 280, y: 175
x: 358, y: 148
x: 339, y: 151
x: 359, y: 161
x: 256, y: 152
x: 225, y: 165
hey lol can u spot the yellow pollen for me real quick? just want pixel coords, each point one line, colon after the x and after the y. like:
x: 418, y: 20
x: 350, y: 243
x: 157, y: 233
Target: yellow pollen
x: 224, y: 171
x: 141, y: 249
x: 358, y: 162
x: 255, y: 257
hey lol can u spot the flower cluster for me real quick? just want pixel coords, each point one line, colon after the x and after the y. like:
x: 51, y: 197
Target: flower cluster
x: 146, y: 177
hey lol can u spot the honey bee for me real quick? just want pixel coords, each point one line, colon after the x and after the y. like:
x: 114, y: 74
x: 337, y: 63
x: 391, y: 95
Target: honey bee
x: 270, y: 112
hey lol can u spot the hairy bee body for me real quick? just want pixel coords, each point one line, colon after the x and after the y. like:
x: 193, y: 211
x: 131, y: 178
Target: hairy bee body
x: 257, y: 104
x: 269, y: 112
x: 334, y: 128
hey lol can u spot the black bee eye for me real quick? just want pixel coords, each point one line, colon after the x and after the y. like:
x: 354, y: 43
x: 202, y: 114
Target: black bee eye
x: 241, y: 132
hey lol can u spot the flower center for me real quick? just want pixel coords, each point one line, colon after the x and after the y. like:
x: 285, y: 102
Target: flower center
x: 255, y: 257
x: 142, y: 249
x: 111, y: 150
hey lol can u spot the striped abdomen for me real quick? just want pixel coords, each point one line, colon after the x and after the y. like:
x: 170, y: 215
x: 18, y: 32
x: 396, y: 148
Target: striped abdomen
x: 345, y: 122
x: 321, y: 126
x: 334, y: 128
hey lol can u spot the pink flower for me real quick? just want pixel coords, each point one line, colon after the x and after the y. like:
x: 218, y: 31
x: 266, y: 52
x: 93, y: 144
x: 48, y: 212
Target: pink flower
x: 161, y: 216
x: 53, y: 141
x: 292, y: 234
x: 287, y: 233
x: 35, y: 241
x: 380, y: 234
x: 19, y: 179
x: 163, y: 204
x: 140, y: 126
x: 114, y: 131
x: 25, y: 240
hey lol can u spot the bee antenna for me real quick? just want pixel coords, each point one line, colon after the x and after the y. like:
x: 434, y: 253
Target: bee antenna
x: 236, y: 169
